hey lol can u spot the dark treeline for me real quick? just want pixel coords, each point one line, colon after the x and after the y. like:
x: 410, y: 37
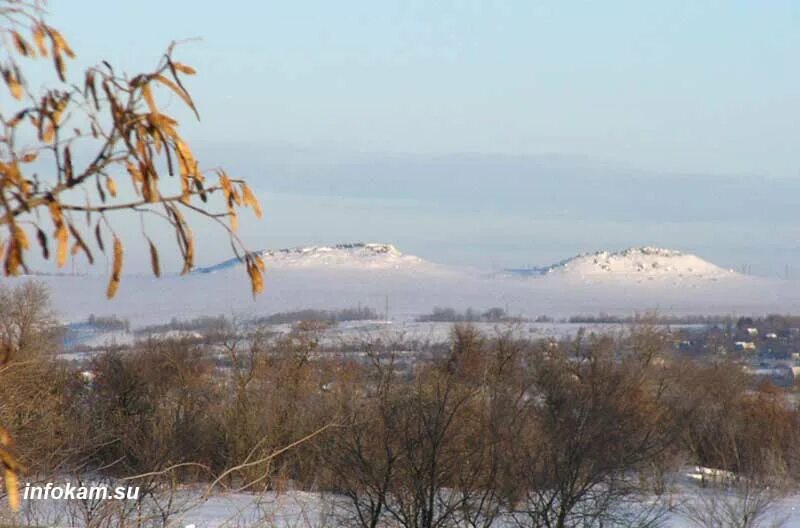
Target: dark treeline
x: 360, y: 313
x: 470, y: 315
x: 207, y: 324
x: 108, y: 323
x: 549, y: 434
x: 652, y: 319
x: 219, y: 325
x: 771, y: 321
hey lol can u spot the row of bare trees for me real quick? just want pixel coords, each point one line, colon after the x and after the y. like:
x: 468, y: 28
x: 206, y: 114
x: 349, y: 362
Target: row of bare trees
x: 583, y: 432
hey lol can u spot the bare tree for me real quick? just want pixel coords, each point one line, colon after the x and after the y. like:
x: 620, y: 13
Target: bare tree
x: 363, y: 458
x: 749, y: 441
x: 30, y: 382
x: 594, y: 420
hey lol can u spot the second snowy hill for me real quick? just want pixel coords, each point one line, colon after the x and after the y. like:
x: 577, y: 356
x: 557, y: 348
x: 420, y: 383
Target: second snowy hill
x: 634, y: 263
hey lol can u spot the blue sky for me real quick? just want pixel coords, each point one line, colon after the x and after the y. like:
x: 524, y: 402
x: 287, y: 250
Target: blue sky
x: 689, y: 86
x: 662, y: 90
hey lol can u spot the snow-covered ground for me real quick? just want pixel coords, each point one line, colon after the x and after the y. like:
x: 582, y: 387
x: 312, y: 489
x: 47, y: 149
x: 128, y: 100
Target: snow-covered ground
x: 298, y: 509
x: 623, y: 283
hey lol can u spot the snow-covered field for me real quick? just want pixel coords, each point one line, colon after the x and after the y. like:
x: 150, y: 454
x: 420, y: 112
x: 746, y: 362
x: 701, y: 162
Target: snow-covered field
x: 313, y: 510
x: 297, y: 509
x: 632, y: 281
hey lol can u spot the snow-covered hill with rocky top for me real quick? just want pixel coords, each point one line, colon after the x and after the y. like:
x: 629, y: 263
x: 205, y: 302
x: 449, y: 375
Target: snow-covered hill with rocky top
x: 634, y: 263
x: 346, y: 256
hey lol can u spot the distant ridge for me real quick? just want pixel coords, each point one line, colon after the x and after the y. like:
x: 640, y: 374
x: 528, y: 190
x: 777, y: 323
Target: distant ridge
x: 636, y: 280
x: 650, y: 262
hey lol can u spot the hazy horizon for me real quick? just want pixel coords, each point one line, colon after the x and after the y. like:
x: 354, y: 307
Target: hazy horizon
x: 493, y: 211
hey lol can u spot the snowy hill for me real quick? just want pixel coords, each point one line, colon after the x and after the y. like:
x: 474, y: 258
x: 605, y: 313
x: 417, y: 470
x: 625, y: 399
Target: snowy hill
x: 633, y: 263
x: 353, y: 255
